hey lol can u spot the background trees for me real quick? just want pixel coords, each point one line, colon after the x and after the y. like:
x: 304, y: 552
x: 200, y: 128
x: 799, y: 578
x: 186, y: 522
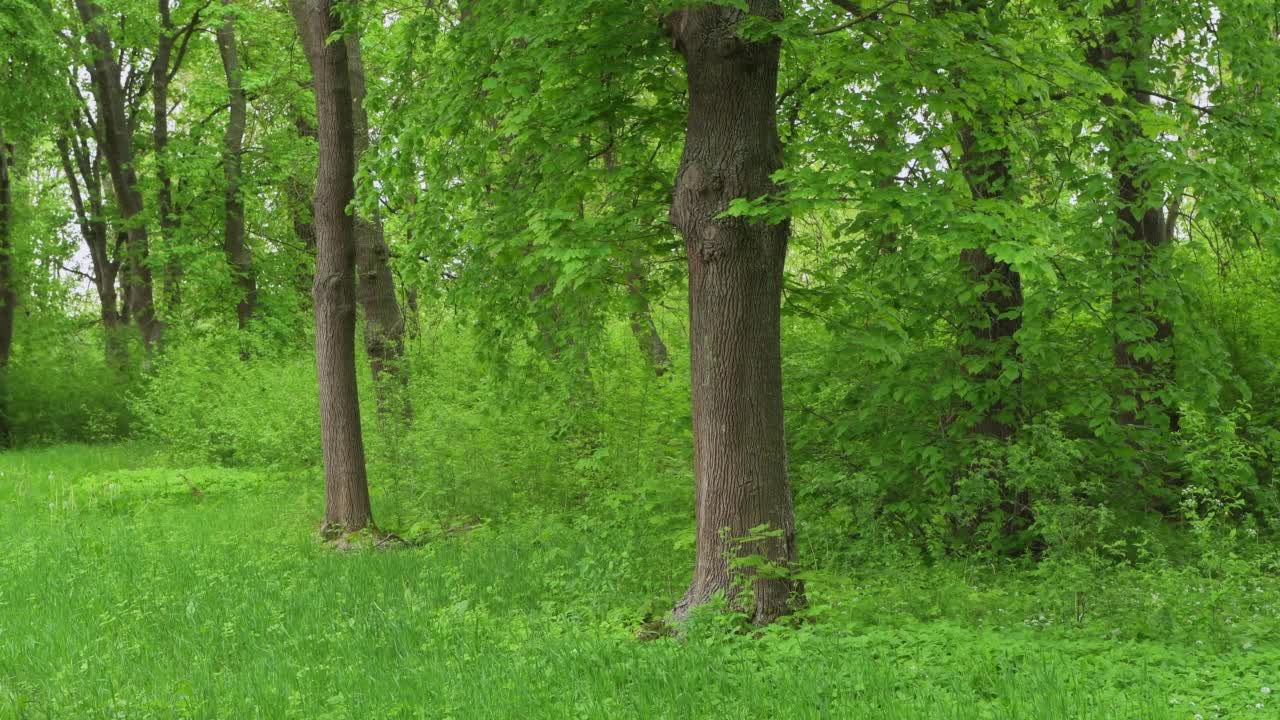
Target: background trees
x: 1027, y: 287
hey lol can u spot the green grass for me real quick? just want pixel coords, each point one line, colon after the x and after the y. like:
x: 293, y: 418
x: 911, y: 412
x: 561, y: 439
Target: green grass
x: 223, y: 605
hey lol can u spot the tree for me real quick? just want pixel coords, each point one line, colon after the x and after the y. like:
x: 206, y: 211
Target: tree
x: 347, y: 507
x: 8, y: 294
x: 233, y: 235
x: 163, y: 69
x: 735, y: 270
x: 643, y: 328
x: 116, y: 142
x: 84, y: 181
x: 990, y: 336
x: 375, y: 287
x: 1143, y: 232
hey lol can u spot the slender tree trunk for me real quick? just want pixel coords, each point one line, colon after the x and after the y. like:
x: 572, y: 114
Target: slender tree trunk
x: 998, y: 317
x: 993, y: 325
x: 643, y: 327
x: 347, y: 505
x: 375, y: 289
x: 118, y: 148
x: 735, y: 289
x: 233, y: 237
x: 412, y: 309
x: 304, y: 229
x: 992, y: 331
x: 1141, y: 242
x: 160, y: 138
x: 86, y: 200
x: 8, y: 294
x: 126, y: 277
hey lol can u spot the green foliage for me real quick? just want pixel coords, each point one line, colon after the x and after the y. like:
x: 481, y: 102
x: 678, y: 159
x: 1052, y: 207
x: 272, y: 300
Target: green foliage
x: 59, y: 387
x: 1034, y: 450
x: 522, y: 158
x: 118, y: 490
x: 208, y: 406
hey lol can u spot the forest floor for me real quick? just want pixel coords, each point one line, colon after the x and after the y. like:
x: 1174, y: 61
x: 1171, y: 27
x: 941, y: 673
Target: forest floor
x: 132, y: 589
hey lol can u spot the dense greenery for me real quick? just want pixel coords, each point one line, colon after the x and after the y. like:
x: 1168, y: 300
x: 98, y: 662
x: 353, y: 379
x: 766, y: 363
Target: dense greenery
x: 129, y: 595
x: 1029, y: 340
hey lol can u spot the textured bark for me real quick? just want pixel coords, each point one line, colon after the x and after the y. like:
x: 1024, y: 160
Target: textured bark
x: 347, y: 505
x: 375, y: 289
x: 233, y: 237
x: 1141, y: 244
x: 8, y: 294
x: 117, y: 146
x: 85, y: 184
x: 160, y: 138
x: 735, y: 289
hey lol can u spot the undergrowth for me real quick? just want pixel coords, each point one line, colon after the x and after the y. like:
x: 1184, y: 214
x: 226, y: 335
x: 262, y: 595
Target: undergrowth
x: 223, y: 605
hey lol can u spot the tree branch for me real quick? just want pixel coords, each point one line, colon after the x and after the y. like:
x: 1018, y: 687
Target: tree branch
x: 186, y: 33
x: 91, y: 278
x: 1169, y: 98
x: 850, y: 7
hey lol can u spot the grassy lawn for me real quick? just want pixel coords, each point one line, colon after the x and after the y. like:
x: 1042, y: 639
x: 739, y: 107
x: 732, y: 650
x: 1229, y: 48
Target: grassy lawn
x: 201, y: 593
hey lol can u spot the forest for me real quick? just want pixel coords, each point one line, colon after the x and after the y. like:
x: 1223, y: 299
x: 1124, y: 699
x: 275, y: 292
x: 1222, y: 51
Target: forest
x: 444, y: 359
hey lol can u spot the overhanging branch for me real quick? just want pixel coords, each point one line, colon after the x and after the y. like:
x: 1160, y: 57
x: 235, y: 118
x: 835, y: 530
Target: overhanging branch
x: 858, y: 15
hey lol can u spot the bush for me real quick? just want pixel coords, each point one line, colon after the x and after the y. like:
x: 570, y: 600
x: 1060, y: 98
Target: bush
x: 210, y: 407
x: 122, y: 489
x: 59, y: 388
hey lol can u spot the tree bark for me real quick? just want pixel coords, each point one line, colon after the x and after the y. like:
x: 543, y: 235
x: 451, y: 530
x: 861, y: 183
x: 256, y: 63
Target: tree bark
x: 117, y: 137
x: 993, y: 325
x: 347, y: 506
x: 998, y: 317
x: 8, y: 294
x: 735, y: 288
x: 93, y: 229
x: 233, y: 236
x: 160, y: 138
x: 304, y: 229
x: 1144, y: 236
x: 375, y: 289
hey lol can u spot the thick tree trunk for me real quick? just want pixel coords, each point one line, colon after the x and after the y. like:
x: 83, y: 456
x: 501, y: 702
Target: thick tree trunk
x: 1142, y: 240
x: 8, y: 294
x: 735, y: 289
x: 117, y: 139
x: 375, y: 289
x: 347, y: 505
x: 233, y: 235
